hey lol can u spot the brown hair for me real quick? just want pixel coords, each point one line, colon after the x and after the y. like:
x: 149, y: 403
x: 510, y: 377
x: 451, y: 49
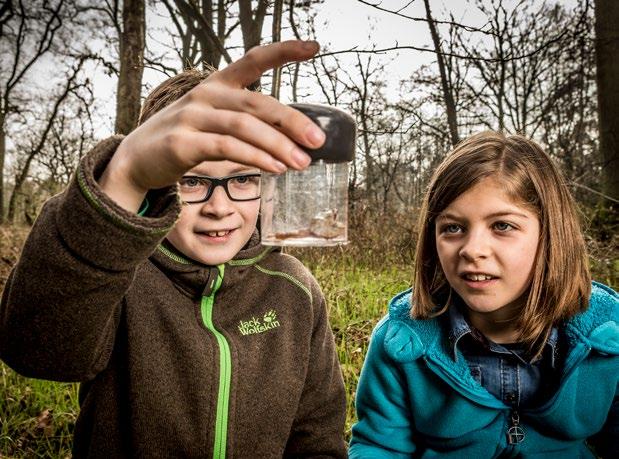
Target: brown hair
x: 561, y: 282
x: 171, y: 90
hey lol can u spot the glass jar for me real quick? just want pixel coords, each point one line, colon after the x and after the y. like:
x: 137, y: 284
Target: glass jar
x: 310, y: 207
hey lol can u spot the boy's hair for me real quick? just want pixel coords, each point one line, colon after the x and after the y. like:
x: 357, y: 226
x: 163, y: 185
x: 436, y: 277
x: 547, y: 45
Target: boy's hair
x: 561, y: 282
x: 171, y: 90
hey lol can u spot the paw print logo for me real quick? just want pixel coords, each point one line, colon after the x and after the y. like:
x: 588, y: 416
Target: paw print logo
x: 269, y: 316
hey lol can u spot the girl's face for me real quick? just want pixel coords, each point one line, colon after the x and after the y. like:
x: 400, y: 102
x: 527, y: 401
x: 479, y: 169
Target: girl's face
x: 486, y: 245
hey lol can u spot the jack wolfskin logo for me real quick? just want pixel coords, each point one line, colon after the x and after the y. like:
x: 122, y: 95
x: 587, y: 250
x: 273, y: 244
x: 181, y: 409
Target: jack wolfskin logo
x: 255, y: 325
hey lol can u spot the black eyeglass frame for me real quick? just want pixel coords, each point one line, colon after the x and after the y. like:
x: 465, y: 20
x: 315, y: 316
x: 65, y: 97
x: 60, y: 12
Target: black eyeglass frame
x: 223, y: 182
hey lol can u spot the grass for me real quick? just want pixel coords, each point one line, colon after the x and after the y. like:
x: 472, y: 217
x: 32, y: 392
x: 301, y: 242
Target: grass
x: 37, y: 417
x: 357, y: 299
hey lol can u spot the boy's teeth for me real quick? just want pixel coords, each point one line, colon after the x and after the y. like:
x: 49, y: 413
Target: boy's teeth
x: 216, y: 233
x: 478, y: 277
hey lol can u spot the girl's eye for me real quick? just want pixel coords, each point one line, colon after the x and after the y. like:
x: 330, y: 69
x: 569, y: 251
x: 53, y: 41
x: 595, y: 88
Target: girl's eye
x: 451, y: 228
x: 503, y: 226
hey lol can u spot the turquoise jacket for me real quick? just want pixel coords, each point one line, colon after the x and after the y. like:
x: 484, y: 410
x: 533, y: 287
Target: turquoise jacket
x: 415, y: 400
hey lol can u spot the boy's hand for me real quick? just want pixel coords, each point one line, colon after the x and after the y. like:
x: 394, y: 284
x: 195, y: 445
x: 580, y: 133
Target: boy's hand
x: 218, y: 119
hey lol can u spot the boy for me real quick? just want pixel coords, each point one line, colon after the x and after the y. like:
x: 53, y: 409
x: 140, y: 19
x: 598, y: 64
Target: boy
x: 205, y: 344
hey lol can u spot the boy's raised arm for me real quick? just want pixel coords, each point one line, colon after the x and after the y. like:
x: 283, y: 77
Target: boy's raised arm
x: 218, y: 119
x: 62, y: 303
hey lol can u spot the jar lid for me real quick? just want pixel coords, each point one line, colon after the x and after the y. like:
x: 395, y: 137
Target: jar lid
x: 340, y: 130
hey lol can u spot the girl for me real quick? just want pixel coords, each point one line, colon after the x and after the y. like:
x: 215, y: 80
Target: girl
x: 504, y: 348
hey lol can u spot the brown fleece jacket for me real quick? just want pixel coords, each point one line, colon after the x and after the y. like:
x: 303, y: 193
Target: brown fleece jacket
x: 174, y: 360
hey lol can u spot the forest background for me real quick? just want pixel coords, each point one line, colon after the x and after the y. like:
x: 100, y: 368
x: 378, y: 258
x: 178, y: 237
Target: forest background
x: 73, y: 72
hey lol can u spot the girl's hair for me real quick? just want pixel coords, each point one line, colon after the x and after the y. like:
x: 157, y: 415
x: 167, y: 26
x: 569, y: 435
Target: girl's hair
x: 561, y: 282
x: 172, y: 89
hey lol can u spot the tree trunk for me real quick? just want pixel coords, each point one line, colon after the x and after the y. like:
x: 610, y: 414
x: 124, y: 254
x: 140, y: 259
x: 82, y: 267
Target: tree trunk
x: 132, y: 42
x: 251, y: 27
x: 251, y: 24
x: 2, y: 155
x: 447, y: 94
x: 209, y: 51
x: 221, y: 29
x: 607, y: 52
x: 367, y: 153
x: 277, y: 32
x: 297, y: 65
x: 202, y: 29
x: 370, y: 178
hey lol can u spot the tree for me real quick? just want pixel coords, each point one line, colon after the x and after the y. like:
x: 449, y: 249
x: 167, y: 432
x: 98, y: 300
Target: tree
x: 72, y: 85
x: 202, y: 42
x: 28, y: 35
x: 450, y: 105
x: 251, y: 22
x: 607, y: 59
x: 6, y: 13
x: 514, y: 73
x: 277, y: 36
x: 131, y: 53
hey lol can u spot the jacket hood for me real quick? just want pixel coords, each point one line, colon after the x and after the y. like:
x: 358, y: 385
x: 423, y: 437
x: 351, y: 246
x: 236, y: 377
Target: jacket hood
x: 598, y: 326
x: 407, y: 340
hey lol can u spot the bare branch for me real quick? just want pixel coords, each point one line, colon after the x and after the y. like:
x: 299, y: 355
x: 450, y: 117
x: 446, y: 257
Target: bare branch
x: 455, y: 55
x: 191, y: 10
x: 6, y: 14
x: 418, y: 19
x: 69, y: 87
x: 276, y: 33
x: 158, y: 65
x: 591, y: 190
x: 45, y: 42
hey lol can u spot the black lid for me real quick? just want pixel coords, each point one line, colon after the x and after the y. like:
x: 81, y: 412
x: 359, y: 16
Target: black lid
x: 340, y: 130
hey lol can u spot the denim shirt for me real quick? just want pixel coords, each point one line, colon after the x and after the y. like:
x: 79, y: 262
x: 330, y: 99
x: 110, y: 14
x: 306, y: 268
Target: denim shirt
x: 504, y: 370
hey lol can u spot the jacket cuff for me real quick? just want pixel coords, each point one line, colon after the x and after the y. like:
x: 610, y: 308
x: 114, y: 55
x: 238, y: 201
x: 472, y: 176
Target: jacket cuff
x: 98, y: 229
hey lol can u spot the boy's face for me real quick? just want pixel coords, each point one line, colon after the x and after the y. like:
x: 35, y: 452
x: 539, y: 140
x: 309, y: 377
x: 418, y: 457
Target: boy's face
x: 213, y: 232
x: 487, y: 246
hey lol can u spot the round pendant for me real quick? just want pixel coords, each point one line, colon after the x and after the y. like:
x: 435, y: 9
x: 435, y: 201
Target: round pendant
x: 515, y: 434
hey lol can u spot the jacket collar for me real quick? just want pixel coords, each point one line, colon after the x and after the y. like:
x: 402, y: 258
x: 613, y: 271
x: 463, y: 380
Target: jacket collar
x: 407, y: 340
x: 597, y: 327
x: 191, y: 277
x: 459, y: 328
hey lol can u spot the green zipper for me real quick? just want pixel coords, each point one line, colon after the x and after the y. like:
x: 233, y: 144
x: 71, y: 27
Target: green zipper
x: 225, y: 370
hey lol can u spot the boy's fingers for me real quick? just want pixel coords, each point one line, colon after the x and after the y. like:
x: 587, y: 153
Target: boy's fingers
x: 253, y: 131
x: 210, y: 146
x: 258, y: 60
x: 288, y: 120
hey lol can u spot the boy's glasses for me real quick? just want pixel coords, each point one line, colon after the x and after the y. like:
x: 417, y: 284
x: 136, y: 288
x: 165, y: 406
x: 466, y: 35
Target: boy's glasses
x: 197, y: 188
